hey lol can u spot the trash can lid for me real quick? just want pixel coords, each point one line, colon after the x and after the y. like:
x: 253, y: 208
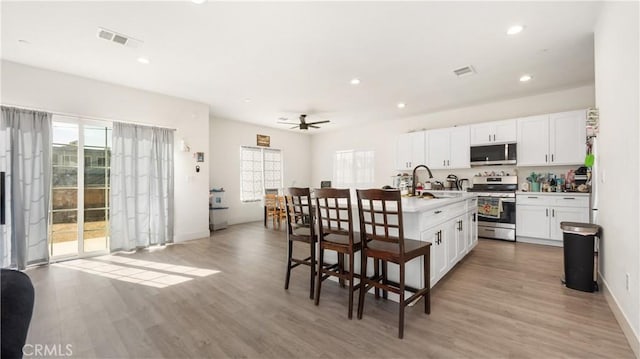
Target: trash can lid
x: 583, y: 229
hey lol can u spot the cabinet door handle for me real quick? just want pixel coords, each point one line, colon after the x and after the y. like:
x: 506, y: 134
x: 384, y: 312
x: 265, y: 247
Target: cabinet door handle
x: 447, y: 162
x: 546, y: 211
x: 532, y: 197
x: 437, y: 212
x: 546, y: 158
x: 494, y: 137
x: 553, y: 212
x: 444, y: 163
x: 489, y: 137
x: 490, y: 230
x: 568, y: 198
x: 552, y: 157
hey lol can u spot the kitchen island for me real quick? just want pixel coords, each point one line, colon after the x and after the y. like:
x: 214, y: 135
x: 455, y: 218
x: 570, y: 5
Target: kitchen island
x: 447, y: 221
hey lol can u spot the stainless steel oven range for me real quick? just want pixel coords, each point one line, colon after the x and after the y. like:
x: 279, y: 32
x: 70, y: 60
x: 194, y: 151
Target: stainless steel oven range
x: 496, y: 206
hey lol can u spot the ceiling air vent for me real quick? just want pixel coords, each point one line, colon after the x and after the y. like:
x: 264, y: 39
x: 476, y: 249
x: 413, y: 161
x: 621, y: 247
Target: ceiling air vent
x: 118, y: 38
x: 464, y: 71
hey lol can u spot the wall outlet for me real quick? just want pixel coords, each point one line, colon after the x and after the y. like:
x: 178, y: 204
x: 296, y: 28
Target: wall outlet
x: 626, y: 281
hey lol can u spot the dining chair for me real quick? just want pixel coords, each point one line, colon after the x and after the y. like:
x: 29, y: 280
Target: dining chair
x: 300, y: 229
x: 273, y: 212
x: 382, y: 237
x: 335, y: 229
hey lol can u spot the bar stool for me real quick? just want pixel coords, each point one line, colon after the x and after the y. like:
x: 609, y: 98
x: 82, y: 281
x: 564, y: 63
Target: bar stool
x: 300, y: 228
x: 335, y: 227
x: 382, y: 237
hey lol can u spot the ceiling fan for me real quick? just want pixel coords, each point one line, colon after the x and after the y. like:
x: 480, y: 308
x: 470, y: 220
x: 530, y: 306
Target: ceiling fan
x: 303, y: 124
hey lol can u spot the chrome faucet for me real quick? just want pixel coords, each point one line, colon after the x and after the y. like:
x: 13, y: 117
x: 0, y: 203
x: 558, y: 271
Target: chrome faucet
x: 414, y: 177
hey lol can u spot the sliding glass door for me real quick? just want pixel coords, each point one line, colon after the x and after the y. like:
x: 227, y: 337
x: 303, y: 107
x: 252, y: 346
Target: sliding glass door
x: 80, y: 188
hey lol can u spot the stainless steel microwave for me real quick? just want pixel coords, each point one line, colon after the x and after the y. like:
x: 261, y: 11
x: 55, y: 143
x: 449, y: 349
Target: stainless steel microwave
x: 504, y: 154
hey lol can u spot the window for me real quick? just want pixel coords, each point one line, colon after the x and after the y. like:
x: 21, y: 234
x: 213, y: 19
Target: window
x: 260, y: 168
x: 353, y: 169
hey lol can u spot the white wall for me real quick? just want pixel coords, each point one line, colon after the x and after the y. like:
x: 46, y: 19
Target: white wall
x: 381, y: 136
x: 226, y: 139
x: 617, y: 97
x: 62, y: 93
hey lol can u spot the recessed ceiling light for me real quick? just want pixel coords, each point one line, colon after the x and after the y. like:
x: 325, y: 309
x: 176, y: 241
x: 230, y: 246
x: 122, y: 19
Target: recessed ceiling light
x: 401, y: 105
x: 515, y: 29
x: 355, y: 81
x: 525, y: 78
x: 247, y: 100
x: 198, y: 1
x: 143, y: 60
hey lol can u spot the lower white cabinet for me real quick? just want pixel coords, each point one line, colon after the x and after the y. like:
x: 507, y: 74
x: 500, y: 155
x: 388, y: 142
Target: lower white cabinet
x: 452, y: 238
x: 538, y: 215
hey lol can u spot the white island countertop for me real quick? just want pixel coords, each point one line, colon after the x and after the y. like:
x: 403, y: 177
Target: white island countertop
x: 443, y: 198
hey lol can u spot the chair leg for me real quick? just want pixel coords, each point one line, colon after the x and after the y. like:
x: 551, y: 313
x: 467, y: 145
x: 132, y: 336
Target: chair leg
x: 363, y: 284
x: 312, y: 244
x: 401, y: 303
x: 351, y: 260
x: 376, y: 273
x: 427, y: 282
x: 385, y: 293
x: 289, y: 256
x: 319, y: 278
x: 341, y: 268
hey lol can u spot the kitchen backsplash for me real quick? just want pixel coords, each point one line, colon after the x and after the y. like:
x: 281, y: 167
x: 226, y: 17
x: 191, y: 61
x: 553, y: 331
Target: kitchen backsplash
x: 521, y: 172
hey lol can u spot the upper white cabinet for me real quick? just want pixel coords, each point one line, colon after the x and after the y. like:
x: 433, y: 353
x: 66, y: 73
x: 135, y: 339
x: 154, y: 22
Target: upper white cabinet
x: 568, y: 137
x: 448, y: 148
x: 555, y: 139
x: 491, y: 133
x: 410, y: 150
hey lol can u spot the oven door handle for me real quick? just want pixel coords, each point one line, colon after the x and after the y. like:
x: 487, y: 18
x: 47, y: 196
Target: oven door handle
x: 509, y: 200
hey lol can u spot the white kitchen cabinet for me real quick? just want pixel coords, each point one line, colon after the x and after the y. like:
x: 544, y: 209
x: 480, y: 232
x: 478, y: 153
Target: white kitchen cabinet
x: 461, y: 230
x: 538, y: 215
x: 438, y: 258
x: 491, y: 133
x: 566, y: 214
x: 555, y: 139
x: 410, y: 150
x: 472, y: 223
x: 451, y: 232
x: 448, y: 148
x: 567, y: 137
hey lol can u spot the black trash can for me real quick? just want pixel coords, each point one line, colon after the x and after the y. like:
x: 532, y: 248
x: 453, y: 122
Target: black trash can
x: 578, y: 255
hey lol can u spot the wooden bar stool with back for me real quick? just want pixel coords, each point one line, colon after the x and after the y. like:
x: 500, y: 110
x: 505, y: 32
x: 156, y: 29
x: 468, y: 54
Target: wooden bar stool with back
x: 381, y: 229
x: 335, y: 227
x: 300, y: 228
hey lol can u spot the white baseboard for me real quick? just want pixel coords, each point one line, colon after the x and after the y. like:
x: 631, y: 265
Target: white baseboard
x: 189, y: 236
x: 623, y: 321
x: 546, y: 242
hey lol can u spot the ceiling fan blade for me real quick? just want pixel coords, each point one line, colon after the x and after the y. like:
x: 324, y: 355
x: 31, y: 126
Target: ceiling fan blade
x: 317, y: 122
x: 312, y: 126
x: 286, y: 123
x: 296, y: 126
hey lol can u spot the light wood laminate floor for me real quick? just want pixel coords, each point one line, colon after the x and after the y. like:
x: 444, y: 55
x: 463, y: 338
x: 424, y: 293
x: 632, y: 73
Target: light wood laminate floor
x: 503, y: 300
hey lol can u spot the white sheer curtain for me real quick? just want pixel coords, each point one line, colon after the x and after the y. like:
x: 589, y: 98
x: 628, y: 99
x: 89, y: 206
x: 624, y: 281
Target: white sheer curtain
x: 25, y: 156
x: 141, y: 186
